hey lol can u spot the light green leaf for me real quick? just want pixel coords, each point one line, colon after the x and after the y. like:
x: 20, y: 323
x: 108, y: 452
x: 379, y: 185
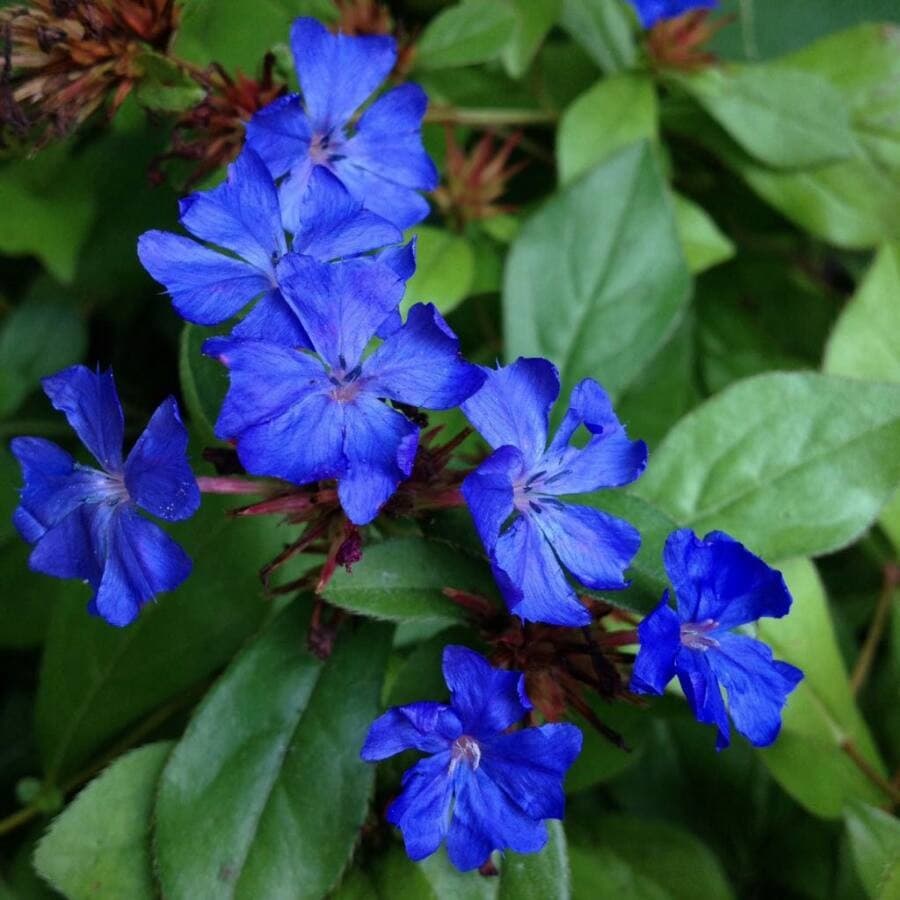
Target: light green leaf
x: 821, y: 713
x: 164, y: 87
x: 646, y: 859
x: 537, y: 876
x: 445, y: 269
x: 865, y: 343
x: 96, y: 680
x: 469, y: 32
x: 580, y: 288
x: 782, y: 117
x: 875, y: 844
x: 402, y: 579
x: 753, y: 460
x: 54, y: 210
x: 98, y: 848
x: 204, y: 382
x: 890, y: 521
x: 265, y: 794
x: 38, y: 338
x: 704, y: 244
x: 605, y: 29
x: 534, y: 18
x: 614, y: 113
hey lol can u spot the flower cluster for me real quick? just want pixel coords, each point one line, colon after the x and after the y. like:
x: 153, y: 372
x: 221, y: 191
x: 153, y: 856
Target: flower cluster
x: 300, y: 250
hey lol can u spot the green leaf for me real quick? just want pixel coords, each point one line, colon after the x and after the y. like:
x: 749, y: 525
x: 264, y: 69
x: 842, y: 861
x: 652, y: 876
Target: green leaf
x: 469, y: 32
x: 645, y: 859
x: 99, y: 846
x: 537, y: 876
x: 534, y: 18
x: 821, y: 713
x: 164, y: 87
x: 204, y: 381
x: 265, y: 794
x: 605, y: 29
x: 875, y: 844
x: 401, y: 580
x: 704, y: 244
x: 579, y: 287
x: 96, y: 680
x: 38, y: 338
x: 864, y: 341
x: 445, y: 269
x: 782, y: 117
x: 753, y: 461
x: 614, y: 113
x: 54, y: 210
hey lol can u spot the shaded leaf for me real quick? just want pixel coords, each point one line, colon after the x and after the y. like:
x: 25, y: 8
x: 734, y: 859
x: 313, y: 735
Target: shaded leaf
x: 875, y: 844
x: 604, y: 29
x: 445, y: 269
x: 534, y: 18
x: 704, y: 244
x: 99, y: 846
x: 469, y: 32
x: 204, y: 382
x: 265, y: 794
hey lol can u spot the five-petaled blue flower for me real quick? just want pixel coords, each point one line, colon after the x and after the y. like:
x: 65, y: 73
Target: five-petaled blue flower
x: 308, y: 416
x: 719, y: 585
x: 530, y: 535
x: 652, y: 11
x: 242, y: 217
x: 84, y: 522
x: 382, y: 162
x: 484, y: 788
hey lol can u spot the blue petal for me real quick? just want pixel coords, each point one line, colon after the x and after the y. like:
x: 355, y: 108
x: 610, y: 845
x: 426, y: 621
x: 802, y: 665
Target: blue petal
x: 488, y: 492
x: 53, y: 485
x: 529, y: 766
x: 400, y: 259
x: 388, y: 140
x: 206, y: 287
x: 487, y: 700
x: 420, y: 364
x: 701, y: 688
x: 652, y: 11
x: 404, y: 206
x: 660, y: 638
x: 484, y: 819
x: 241, y: 214
x: 513, y: 406
x: 157, y: 473
x: 532, y: 580
x: 594, y: 546
x: 417, y: 726
x: 292, y: 191
x: 340, y: 305
x: 279, y: 134
x: 142, y: 561
x: 274, y: 321
x: 333, y: 224
x: 610, y: 459
x: 91, y: 405
x: 380, y: 448
x: 718, y: 579
x: 422, y: 811
x: 757, y: 686
x: 75, y: 547
x: 337, y: 73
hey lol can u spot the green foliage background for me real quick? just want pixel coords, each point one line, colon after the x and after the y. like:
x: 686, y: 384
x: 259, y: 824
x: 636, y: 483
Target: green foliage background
x: 721, y: 249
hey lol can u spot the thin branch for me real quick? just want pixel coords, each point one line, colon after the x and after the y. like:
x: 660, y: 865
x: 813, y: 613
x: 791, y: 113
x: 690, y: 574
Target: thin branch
x: 864, y: 766
x: 487, y: 116
x: 877, y: 628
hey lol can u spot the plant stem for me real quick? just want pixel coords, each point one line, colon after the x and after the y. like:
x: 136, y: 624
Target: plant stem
x: 870, y: 771
x: 876, y: 629
x: 486, y: 116
x: 17, y: 819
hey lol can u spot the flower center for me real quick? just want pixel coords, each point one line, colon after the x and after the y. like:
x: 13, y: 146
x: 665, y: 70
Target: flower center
x: 346, y: 383
x: 466, y: 750
x: 321, y: 149
x: 695, y: 635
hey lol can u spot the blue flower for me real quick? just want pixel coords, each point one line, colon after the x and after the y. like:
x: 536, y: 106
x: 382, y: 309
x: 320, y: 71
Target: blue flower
x: 382, y: 162
x: 719, y: 585
x: 84, y: 522
x: 652, y: 11
x: 531, y: 536
x: 483, y: 788
x: 242, y: 217
x: 308, y: 416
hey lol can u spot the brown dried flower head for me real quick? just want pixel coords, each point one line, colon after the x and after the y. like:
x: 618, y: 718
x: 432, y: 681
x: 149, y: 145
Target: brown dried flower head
x: 65, y: 59
x: 680, y: 43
